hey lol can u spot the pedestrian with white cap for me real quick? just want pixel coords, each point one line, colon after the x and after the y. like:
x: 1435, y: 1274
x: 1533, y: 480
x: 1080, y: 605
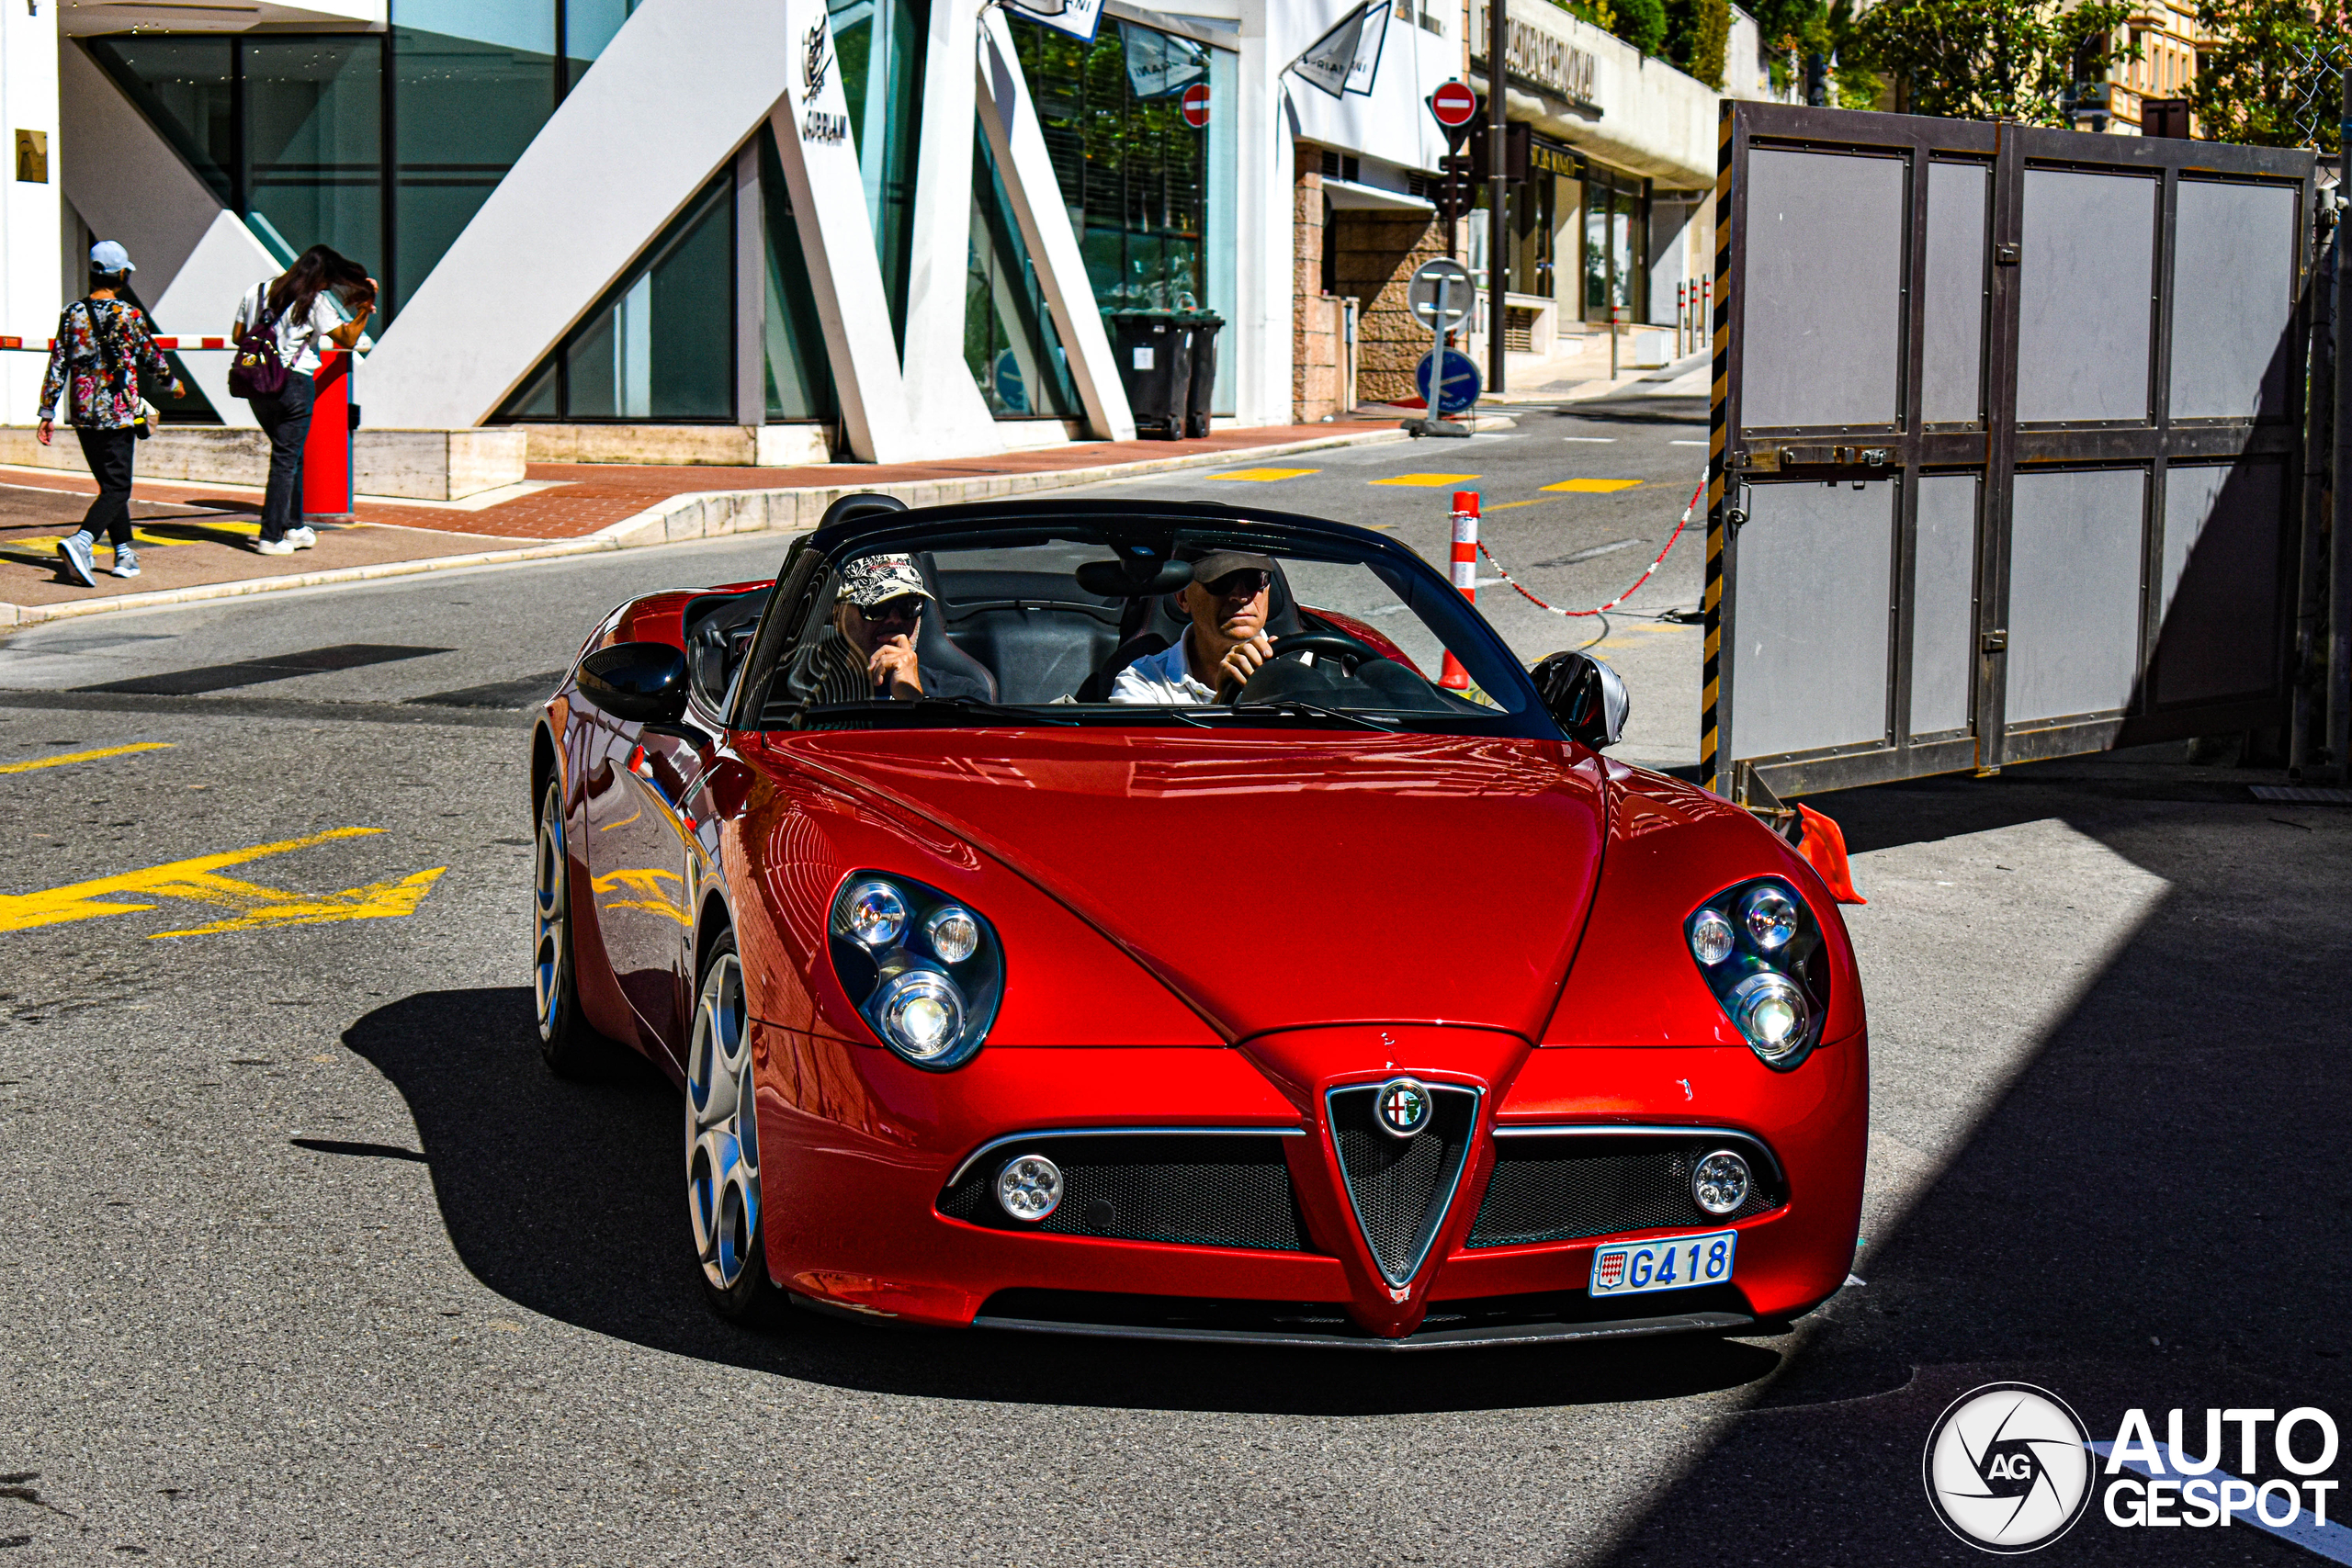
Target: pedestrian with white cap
x: 103, y: 352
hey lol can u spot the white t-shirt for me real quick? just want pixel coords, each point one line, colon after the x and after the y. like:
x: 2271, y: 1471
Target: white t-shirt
x: 298, y: 340
x: 1163, y: 678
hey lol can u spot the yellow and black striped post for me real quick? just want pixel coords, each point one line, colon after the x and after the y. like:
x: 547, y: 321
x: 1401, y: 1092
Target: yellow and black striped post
x: 1711, y: 768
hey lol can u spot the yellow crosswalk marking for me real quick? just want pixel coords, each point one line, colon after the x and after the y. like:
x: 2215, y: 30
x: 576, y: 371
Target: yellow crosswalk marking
x: 1430, y: 480
x: 65, y: 757
x: 198, y: 880
x: 1266, y: 476
x: 1593, y: 486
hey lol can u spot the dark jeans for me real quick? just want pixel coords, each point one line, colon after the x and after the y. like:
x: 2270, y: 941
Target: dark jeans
x: 287, y: 418
x: 109, y: 455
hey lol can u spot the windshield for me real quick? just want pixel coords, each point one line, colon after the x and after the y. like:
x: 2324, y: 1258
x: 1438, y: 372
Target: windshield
x: 1127, y: 624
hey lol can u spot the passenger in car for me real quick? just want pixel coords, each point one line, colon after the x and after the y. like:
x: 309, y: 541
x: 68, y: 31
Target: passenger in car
x: 868, y: 652
x: 1227, y: 641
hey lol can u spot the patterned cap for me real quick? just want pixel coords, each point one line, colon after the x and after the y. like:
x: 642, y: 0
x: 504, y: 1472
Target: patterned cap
x: 874, y: 580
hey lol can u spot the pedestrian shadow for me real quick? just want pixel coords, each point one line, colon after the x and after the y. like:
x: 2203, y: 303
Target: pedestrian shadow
x: 565, y: 1196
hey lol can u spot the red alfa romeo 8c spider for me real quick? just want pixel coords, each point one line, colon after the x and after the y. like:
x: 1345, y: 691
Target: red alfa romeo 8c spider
x: 1186, y: 921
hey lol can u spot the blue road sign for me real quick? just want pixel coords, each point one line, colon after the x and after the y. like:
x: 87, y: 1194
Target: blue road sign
x: 1010, y: 390
x: 1457, y: 391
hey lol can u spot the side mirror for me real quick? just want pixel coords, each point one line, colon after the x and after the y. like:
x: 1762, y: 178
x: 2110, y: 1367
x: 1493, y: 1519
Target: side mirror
x: 1586, y: 695
x: 642, y: 682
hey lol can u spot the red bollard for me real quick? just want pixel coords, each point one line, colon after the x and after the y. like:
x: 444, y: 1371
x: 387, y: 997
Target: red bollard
x: 1466, y: 576
x: 326, y: 455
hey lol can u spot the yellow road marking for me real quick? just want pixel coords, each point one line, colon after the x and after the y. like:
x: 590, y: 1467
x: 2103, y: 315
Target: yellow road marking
x: 198, y: 880
x: 1430, y: 480
x: 1593, y: 486
x: 1266, y: 476
x: 63, y: 758
x: 1507, y: 506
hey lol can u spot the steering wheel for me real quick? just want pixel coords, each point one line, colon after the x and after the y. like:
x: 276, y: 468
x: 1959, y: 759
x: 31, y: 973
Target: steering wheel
x: 1352, y: 654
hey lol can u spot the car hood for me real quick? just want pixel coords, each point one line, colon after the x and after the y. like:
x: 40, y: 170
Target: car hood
x: 1274, y: 881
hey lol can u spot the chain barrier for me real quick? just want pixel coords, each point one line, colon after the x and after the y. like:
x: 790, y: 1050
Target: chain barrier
x: 1555, y: 609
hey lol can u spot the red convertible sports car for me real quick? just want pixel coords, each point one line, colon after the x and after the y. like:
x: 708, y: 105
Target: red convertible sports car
x: 1193, y: 922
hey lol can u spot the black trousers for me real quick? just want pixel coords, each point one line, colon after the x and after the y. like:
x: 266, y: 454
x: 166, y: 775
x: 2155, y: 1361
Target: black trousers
x: 109, y: 455
x: 286, y: 417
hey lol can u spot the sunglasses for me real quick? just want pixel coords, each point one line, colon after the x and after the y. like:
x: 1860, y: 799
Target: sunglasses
x: 1246, y: 585
x: 907, y: 608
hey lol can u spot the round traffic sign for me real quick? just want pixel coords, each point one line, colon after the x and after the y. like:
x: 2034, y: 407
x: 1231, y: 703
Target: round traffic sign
x: 1453, y: 104
x: 1456, y: 390
x: 1441, y: 293
x: 1196, y: 105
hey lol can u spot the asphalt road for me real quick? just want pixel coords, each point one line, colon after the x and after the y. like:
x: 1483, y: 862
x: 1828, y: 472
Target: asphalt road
x: 306, y: 1259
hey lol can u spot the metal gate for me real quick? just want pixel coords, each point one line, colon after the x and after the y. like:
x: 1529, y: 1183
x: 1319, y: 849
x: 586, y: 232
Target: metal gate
x: 2004, y: 462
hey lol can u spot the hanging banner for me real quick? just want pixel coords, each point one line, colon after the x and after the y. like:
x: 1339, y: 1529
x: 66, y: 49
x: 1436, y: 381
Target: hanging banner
x: 1159, y: 63
x: 1346, y: 59
x: 1077, y: 17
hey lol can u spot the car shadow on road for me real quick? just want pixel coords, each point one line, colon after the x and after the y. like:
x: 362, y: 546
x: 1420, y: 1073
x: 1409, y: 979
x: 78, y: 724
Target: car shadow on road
x: 565, y: 1197
x: 2147, y: 1215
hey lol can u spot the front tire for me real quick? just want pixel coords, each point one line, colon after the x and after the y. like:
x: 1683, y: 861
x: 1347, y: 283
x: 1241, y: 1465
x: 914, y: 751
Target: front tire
x: 723, y: 1145
x: 565, y: 1040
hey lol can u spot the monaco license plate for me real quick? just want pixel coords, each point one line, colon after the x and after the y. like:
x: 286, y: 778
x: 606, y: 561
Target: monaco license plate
x: 1675, y: 1263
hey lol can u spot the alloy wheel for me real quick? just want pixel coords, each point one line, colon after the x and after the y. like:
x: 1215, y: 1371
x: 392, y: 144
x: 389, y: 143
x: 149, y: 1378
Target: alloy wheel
x: 723, y: 1135
x: 550, y: 910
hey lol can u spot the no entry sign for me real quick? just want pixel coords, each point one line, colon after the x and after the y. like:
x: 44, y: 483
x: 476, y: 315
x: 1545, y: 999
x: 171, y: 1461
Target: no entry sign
x: 1196, y: 105
x: 1453, y: 105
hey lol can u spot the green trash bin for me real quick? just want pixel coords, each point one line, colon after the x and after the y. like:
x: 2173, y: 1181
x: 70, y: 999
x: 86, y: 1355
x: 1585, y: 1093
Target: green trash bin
x: 1154, y: 350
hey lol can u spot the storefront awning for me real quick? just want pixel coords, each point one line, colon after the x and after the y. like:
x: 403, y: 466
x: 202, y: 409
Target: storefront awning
x: 1347, y: 194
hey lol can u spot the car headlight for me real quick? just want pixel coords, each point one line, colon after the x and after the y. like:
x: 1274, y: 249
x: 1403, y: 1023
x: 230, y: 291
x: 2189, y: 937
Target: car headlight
x: 1760, y: 950
x: 925, y: 971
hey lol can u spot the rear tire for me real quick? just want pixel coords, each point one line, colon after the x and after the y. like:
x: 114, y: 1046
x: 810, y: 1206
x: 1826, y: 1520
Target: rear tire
x: 566, y: 1041
x: 723, y: 1146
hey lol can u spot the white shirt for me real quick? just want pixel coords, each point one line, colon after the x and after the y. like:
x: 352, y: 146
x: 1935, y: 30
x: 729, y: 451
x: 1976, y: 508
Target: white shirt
x: 298, y: 341
x: 1164, y: 677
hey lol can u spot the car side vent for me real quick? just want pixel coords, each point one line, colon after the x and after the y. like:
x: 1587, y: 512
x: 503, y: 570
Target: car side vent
x: 1401, y: 1187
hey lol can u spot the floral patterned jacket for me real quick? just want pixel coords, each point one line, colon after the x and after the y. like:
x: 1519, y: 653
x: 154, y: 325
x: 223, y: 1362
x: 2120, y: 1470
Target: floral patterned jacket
x: 103, y: 349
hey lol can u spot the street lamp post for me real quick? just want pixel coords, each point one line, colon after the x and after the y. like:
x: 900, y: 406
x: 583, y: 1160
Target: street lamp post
x: 1499, y: 187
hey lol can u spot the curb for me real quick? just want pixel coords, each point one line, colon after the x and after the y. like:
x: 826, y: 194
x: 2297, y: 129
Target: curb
x: 700, y: 514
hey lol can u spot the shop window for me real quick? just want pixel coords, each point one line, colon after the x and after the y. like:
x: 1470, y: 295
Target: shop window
x: 660, y: 345
x: 880, y: 46
x: 1152, y: 198
x: 472, y: 83
x: 799, y: 376
x: 1009, y: 339
x: 1616, y: 248
x: 313, y: 145
x: 186, y: 87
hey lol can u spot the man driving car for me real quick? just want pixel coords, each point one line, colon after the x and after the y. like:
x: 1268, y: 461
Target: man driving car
x: 1227, y: 642
x: 868, y: 652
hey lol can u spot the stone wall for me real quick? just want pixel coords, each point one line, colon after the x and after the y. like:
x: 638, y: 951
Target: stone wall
x: 1376, y: 255
x: 1315, y: 344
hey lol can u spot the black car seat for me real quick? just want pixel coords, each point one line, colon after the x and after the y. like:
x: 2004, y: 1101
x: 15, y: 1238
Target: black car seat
x: 1154, y: 623
x: 947, y: 670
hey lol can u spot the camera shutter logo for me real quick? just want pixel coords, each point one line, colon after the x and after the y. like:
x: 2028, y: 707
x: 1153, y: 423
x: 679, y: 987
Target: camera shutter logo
x: 2005, y: 1468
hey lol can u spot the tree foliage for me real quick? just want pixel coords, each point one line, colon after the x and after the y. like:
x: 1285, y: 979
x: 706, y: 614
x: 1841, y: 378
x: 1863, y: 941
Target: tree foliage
x: 1986, y: 59
x: 2272, y: 75
x: 1698, y: 38
x: 1641, y: 23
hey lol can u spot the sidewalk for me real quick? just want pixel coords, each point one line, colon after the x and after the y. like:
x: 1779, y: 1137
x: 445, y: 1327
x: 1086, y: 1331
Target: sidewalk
x: 194, y: 540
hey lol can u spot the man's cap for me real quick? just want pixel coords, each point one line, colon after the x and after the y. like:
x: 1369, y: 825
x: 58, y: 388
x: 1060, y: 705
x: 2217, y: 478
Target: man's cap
x: 1218, y: 563
x: 876, y: 579
x: 108, y: 256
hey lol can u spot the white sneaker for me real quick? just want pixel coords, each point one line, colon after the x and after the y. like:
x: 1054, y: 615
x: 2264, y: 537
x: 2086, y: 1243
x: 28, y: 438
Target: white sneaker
x: 126, y: 561
x: 274, y: 546
x: 301, y: 539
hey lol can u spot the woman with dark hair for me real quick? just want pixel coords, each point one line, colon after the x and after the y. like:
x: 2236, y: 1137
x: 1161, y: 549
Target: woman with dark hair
x: 101, y: 354
x: 322, y: 300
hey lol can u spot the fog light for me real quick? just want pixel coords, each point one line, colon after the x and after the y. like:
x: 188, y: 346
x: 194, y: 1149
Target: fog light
x: 1029, y: 1187
x: 1720, y: 1182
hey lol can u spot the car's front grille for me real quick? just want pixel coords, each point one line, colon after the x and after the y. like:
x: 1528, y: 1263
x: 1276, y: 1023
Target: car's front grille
x: 1198, y: 1189
x: 1571, y: 1187
x: 1400, y: 1186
